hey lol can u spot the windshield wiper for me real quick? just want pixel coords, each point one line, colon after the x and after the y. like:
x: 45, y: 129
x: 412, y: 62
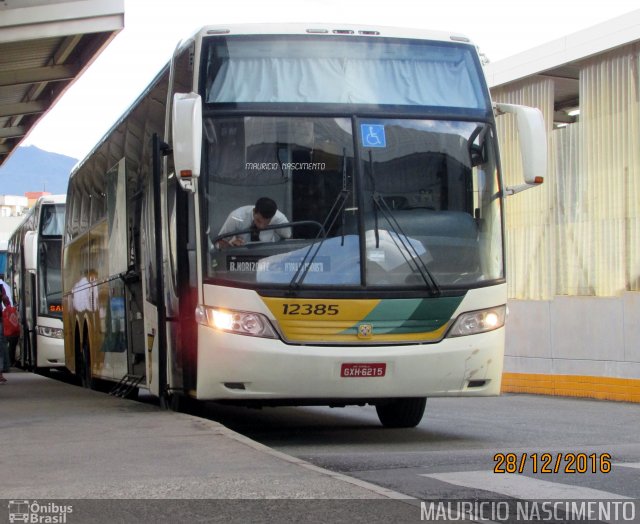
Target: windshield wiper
x: 414, y: 262
x: 403, y: 244
x: 329, y: 222
x: 337, y: 210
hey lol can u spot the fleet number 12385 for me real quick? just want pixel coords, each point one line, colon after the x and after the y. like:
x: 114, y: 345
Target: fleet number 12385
x: 310, y: 309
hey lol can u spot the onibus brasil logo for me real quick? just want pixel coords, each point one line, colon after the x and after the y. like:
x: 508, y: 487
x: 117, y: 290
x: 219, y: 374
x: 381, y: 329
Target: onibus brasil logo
x: 38, y: 513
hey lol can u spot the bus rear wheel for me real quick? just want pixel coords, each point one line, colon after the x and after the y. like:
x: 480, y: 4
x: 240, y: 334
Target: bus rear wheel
x: 401, y: 412
x: 83, y: 363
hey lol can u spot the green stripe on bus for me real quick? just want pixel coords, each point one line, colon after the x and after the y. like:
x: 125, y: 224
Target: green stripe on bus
x: 412, y: 315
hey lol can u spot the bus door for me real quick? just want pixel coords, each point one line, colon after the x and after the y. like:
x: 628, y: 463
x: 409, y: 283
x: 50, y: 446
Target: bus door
x: 181, y: 287
x: 133, y: 286
x: 123, y: 326
x: 180, y: 278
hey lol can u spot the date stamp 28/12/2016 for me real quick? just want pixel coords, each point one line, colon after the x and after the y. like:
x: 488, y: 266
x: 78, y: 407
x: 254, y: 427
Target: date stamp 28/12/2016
x: 570, y: 463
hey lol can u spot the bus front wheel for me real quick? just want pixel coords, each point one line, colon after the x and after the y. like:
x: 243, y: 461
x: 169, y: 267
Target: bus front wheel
x: 177, y: 401
x: 401, y: 412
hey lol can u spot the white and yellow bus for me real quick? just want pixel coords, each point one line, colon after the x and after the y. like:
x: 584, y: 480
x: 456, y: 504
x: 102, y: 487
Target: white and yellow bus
x: 34, y: 274
x: 378, y: 146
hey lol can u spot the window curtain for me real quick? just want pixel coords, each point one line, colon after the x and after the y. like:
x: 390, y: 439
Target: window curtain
x: 347, y: 81
x: 610, y: 151
x: 579, y: 233
x: 529, y: 221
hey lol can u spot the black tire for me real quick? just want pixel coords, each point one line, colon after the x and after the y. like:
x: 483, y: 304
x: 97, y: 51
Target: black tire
x: 26, y: 356
x: 33, y: 352
x: 401, y: 412
x: 78, y: 371
x: 21, y: 362
x: 83, y: 370
x: 178, y: 402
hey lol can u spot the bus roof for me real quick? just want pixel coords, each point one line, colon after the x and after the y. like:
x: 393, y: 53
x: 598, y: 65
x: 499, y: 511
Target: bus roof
x: 53, y: 199
x: 282, y: 29
x: 331, y: 29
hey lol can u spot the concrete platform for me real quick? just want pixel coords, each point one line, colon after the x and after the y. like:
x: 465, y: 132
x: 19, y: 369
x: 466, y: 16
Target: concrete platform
x: 117, y: 460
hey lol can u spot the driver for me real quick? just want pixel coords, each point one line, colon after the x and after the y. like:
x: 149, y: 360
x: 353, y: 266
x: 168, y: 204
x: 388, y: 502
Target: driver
x: 255, y: 218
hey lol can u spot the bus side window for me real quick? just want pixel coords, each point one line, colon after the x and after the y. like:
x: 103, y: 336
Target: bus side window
x: 85, y: 211
x: 74, y: 211
x: 98, y: 207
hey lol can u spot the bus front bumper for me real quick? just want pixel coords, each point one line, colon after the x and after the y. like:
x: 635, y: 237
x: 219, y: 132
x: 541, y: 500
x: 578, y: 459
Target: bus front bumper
x: 50, y: 352
x: 235, y: 367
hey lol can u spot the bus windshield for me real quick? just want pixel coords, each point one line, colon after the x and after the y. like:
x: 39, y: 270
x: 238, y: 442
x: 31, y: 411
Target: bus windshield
x: 310, y: 69
x: 52, y: 220
x: 50, y: 277
x: 364, y: 203
x: 49, y: 263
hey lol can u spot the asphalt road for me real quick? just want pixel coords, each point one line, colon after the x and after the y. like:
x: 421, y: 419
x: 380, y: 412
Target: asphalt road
x: 513, y: 446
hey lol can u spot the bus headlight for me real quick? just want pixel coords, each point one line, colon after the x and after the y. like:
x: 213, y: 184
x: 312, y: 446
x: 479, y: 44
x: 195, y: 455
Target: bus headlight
x: 475, y: 322
x: 50, y: 332
x: 239, y: 322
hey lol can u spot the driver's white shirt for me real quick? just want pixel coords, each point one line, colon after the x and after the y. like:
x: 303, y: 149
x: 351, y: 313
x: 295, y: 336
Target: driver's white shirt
x: 241, y: 219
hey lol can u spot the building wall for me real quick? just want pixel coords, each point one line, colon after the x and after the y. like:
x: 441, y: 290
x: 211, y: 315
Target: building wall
x: 573, y: 244
x: 12, y: 206
x: 575, y: 345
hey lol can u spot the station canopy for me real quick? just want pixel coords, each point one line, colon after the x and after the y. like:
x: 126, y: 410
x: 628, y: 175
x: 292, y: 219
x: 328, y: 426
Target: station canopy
x: 561, y: 60
x: 45, y: 45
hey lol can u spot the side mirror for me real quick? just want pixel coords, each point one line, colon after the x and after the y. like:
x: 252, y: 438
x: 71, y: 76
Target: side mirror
x: 187, y: 137
x: 533, y: 144
x: 30, y: 251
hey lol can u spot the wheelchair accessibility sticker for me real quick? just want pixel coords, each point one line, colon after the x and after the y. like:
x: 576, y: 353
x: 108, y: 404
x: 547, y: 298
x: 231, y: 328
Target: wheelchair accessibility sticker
x: 373, y: 135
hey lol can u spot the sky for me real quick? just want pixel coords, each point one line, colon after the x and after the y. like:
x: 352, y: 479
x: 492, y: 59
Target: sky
x: 153, y: 28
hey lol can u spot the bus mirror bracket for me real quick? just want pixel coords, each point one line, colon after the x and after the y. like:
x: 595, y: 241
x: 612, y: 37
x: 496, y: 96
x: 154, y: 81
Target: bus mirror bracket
x: 30, y: 251
x: 187, y: 138
x: 533, y: 144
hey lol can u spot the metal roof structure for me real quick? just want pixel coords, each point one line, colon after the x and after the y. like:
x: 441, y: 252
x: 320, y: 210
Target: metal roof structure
x: 45, y: 45
x: 560, y: 59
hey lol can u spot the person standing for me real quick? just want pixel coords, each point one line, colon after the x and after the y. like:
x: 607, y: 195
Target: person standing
x: 6, y: 287
x: 4, y: 350
x: 9, y: 347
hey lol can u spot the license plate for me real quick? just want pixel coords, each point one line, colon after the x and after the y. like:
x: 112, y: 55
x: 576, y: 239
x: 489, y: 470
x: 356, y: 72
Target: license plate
x: 363, y: 370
